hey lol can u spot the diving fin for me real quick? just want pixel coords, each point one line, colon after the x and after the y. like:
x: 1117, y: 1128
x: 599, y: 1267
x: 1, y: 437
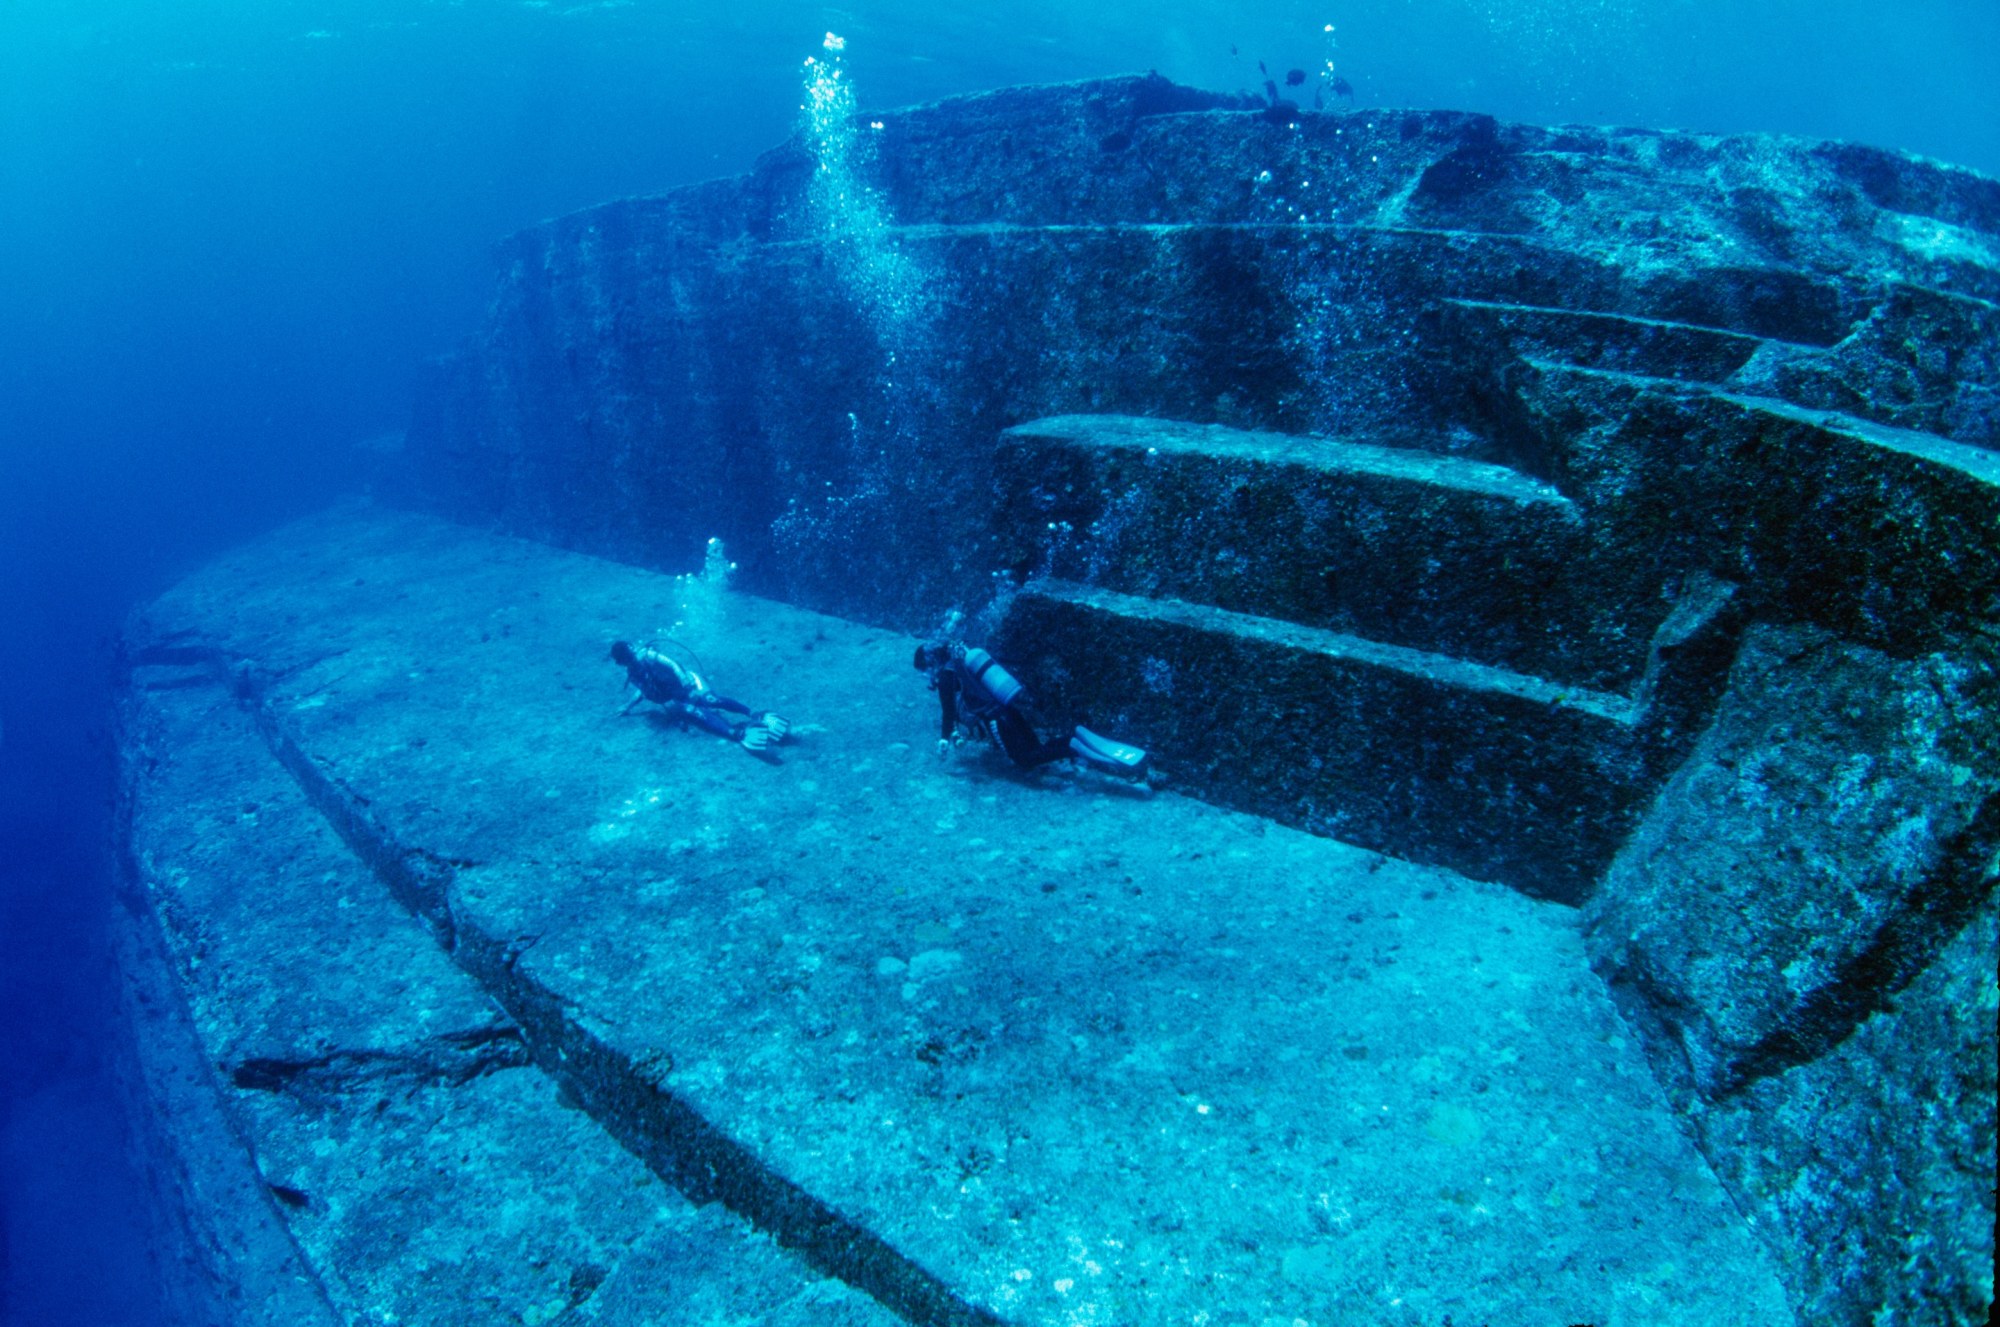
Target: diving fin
x: 1117, y: 757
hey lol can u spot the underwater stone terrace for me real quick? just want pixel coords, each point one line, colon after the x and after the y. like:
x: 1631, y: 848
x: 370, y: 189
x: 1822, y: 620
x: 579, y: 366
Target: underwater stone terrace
x: 656, y: 372
x: 1650, y: 387
x: 1613, y: 515
x: 988, y: 1049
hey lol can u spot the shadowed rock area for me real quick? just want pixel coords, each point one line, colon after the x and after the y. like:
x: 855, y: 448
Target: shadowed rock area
x: 1590, y: 539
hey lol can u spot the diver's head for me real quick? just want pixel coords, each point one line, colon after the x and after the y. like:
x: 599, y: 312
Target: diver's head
x: 929, y: 656
x: 621, y: 654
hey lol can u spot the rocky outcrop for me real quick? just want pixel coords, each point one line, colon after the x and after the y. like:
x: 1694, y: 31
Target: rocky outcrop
x: 1612, y: 514
x: 359, y: 1130
x: 712, y: 362
x: 987, y: 1050
x: 1755, y: 362
x: 1804, y: 924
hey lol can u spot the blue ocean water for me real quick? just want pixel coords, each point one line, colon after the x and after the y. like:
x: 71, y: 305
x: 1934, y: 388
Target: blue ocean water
x: 229, y: 233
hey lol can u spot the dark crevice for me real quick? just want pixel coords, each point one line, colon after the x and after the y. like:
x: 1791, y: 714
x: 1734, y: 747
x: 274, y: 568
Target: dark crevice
x: 670, y: 1136
x: 175, y: 656
x: 1868, y: 981
x: 1688, y: 663
x: 289, y: 1196
x: 1157, y: 95
x: 1479, y: 161
x: 451, y: 1060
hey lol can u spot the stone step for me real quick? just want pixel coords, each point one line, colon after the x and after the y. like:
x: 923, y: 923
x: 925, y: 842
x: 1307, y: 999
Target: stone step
x: 1890, y: 369
x: 1023, y: 1049
x: 419, y: 1161
x: 1602, y: 339
x: 1926, y: 360
x: 1889, y: 536
x: 1501, y: 775
x: 1424, y: 550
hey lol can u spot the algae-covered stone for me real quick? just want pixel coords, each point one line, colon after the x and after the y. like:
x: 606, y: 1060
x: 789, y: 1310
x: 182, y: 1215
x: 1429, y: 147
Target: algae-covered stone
x: 1115, y: 1082
x: 1789, y: 926
x: 1832, y: 828
x: 1872, y: 1167
x: 1730, y: 380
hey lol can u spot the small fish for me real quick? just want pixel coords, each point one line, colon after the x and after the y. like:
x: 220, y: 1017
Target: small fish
x: 1343, y: 88
x: 1294, y: 77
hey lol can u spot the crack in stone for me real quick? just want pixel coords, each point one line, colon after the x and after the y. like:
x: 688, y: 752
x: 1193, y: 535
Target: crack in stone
x: 1869, y: 981
x: 450, y: 1060
x: 671, y: 1137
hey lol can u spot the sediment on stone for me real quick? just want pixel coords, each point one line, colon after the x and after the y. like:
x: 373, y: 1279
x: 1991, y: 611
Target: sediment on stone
x: 970, y: 1057
x: 1868, y: 864
x: 1882, y: 535
x: 1781, y: 925
x: 1604, y: 339
x: 238, y: 1266
x: 1304, y: 277
x: 1648, y: 325
x: 418, y: 1162
x: 1879, y: 1198
x: 626, y: 1098
x: 1402, y: 546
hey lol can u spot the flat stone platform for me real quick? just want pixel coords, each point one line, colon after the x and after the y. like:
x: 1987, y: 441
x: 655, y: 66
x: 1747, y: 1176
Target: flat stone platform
x: 990, y: 1048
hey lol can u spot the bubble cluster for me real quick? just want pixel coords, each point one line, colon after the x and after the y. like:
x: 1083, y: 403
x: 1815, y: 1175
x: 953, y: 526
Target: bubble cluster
x: 847, y: 214
x: 699, y: 595
x: 878, y: 467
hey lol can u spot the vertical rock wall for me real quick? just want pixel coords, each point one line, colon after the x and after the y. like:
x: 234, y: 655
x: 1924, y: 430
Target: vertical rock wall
x: 1754, y: 372
x: 657, y: 371
x: 1804, y: 925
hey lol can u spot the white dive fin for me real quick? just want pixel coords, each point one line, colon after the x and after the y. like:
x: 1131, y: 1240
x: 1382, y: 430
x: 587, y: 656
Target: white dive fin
x: 1102, y: 751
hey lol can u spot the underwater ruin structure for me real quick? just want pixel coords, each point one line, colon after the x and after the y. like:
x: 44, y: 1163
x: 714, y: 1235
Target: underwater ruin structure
x: 1560, y: 568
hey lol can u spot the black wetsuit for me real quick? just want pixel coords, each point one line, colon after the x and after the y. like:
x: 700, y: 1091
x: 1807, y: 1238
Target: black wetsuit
x: 682, y: 693
x: 963, y: 700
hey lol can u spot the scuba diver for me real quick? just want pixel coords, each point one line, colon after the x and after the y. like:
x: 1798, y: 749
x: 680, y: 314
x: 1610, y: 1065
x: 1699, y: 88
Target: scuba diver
x: 680, y: 691
x: 977, y: 695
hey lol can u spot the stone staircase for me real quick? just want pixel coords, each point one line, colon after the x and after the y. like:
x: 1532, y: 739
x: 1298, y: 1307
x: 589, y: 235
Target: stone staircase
x: 1406, y: 650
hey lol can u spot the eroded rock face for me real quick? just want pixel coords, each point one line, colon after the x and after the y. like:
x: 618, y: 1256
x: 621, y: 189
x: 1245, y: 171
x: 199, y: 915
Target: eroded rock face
x: 1873, y: 1164
x: 1410, y: 477
x: 1804, y: 922
x: 1832, y: 830
x: 657, y: 371
x: 1624, y: 368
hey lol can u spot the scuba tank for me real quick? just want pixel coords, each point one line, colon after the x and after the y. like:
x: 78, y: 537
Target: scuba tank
x: 667, y: 679
x: 1000, y: 686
